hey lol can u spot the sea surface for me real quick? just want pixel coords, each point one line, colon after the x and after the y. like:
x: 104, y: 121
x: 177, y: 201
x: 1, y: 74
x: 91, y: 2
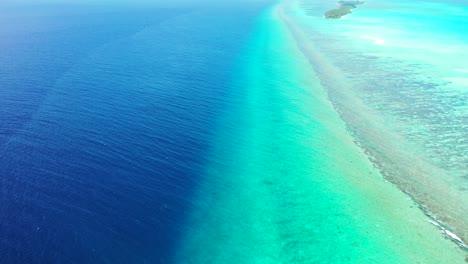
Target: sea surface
x: 219, y: 132
x: 397, y: 74
x: 106, y: 116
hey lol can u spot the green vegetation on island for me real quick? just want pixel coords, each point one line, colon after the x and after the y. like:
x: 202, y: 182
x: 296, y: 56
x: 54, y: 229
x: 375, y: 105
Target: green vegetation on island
x: 344, y: 9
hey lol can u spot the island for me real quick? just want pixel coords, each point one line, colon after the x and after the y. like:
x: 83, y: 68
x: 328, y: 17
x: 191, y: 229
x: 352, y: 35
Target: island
x: 344, y: 9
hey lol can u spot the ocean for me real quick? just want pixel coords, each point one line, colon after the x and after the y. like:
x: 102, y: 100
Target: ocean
x: 232, y: 132
x: 106, y: 116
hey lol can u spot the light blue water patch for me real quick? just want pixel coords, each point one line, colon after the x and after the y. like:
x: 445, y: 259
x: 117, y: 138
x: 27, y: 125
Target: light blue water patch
x: 404, y: 64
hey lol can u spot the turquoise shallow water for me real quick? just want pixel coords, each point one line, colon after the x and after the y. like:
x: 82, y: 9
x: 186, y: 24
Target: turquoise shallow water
x: 289, y: 185
x: 202, y: 132
x: 406, y: 108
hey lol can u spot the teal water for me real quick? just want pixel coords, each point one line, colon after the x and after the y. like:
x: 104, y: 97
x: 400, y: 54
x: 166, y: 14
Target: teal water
x: 287, y: 183
x: 230, y: 132
x: 396, y: 72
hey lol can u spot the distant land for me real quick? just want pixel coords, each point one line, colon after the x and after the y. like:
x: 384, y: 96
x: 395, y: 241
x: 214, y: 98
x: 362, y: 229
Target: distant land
x: 344, y: 9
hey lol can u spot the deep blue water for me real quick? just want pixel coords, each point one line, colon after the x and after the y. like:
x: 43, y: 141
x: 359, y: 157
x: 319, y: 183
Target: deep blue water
x: 106, y: 116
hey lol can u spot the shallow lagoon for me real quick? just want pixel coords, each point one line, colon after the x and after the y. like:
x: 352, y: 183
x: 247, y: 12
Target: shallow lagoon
x: 407, y: 109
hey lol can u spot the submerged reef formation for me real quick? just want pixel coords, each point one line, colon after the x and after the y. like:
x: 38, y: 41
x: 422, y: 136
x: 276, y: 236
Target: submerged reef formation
x: 344, y: 9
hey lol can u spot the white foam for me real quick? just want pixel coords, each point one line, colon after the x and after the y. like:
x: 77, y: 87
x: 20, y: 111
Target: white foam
x: 377, y: 41
x: 453, y: 236
x: 448, y: 233
x: 461, y: 70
